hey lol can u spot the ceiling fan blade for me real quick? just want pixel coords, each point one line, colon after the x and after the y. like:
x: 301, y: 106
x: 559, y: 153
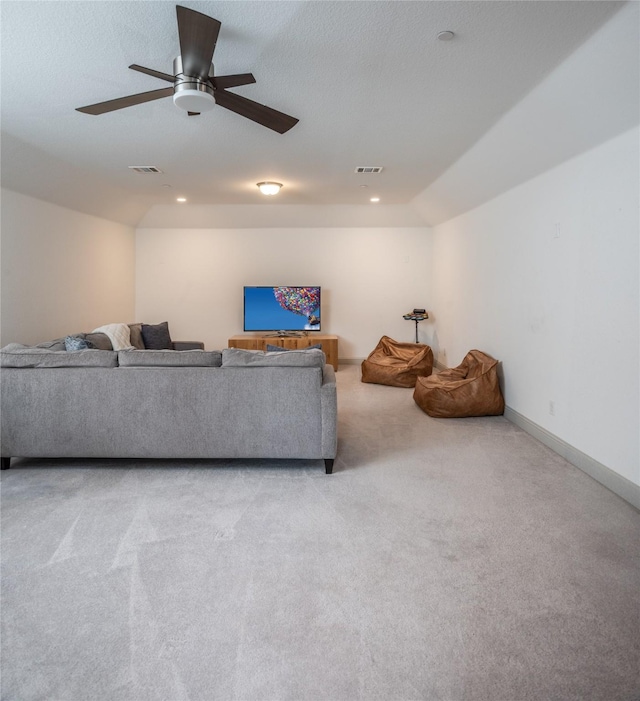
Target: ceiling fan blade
x: 193, y: 114
x: 155, y: 74
x: 129, y: 101
x: 268, y: 117
x: 232, y: 81
x: 198, y: 34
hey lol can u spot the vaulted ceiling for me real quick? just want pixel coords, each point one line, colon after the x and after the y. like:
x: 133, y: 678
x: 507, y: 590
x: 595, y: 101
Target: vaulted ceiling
x: 369, y: 81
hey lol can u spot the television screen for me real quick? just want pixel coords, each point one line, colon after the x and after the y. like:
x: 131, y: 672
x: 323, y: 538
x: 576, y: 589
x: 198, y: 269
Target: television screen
x: 282, y: 309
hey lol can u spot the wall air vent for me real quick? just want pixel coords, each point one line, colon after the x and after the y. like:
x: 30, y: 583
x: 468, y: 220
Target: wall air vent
x: 369, y: 169
x: 145, y: 169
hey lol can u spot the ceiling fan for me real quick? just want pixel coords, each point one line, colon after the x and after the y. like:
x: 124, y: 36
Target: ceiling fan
x: 195, y: 87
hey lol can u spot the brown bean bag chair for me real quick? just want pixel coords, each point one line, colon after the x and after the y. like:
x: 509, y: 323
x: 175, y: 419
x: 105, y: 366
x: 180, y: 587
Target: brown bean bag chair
x: 397, y: 364
x: 471, y: 389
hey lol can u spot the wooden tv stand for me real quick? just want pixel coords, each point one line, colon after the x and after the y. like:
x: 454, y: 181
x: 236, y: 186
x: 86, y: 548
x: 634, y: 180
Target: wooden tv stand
x: 260, y: 341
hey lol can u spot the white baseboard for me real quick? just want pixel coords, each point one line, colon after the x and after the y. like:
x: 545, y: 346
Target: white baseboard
x: 624, y: 488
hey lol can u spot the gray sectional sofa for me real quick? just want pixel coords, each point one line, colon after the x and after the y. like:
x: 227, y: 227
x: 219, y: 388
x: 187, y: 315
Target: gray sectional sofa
x: 167, y: 404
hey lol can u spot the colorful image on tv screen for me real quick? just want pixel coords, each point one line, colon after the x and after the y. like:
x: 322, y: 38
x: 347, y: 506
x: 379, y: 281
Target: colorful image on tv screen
x: 281, y: 308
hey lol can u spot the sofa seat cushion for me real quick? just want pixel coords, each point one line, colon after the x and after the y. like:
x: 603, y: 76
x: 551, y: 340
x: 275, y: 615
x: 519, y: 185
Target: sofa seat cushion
x: 17, y: 356
x: 305, y: 358
x: 169, y: 358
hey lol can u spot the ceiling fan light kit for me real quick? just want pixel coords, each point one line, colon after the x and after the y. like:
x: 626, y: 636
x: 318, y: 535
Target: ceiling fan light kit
x: 195, y: 87
x: 193, y: 99
x: 269, y: 188
x: 192, y: 94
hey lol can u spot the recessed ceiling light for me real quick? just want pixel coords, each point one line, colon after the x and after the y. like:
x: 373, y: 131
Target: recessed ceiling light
x: 181, y: 199
x: 375, y: 199
x: 269, y: 188
x: 447, y: 35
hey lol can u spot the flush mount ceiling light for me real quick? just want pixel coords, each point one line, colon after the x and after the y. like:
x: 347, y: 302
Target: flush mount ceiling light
x: 269, y: 188
x: 181, y: 199
x: 375, y: 199
x: 447, y: 35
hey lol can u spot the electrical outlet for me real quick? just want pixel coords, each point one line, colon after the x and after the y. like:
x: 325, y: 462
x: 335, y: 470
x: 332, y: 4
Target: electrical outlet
x: 552, y: 408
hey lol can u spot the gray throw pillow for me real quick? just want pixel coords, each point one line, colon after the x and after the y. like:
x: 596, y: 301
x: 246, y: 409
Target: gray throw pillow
x: 98, y: 340
x: 135, y: 335
x: 157, y: 336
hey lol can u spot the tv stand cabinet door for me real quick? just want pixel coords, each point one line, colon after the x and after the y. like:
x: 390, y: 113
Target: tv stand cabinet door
x: 251, y: 342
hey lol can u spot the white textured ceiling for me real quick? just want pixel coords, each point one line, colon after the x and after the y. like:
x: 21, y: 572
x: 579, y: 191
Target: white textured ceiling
x: 368, y: 80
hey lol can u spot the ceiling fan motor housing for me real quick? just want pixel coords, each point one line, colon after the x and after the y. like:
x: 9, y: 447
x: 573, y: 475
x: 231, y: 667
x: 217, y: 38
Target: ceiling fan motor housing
x: 190, y: 93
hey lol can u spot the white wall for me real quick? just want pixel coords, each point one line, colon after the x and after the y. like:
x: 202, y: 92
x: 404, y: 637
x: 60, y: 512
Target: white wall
x: 193, y: 278
x: 280, y: 216
x: 62, y: 271
x: 545, y: 278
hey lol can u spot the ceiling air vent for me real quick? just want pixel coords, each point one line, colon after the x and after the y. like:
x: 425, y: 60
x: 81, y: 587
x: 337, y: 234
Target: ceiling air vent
x: 369, y: 169
x: 145, y: 169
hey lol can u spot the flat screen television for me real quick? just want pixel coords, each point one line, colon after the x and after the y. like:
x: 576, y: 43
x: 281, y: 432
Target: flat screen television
x: 282, y: 309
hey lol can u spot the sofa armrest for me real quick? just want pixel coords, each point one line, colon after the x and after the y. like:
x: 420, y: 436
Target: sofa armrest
x: 188, y: 345
x: 329, y: 411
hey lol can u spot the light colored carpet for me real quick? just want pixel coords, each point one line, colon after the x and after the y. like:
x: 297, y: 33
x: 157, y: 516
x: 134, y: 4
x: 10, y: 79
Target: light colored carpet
x: 446, y: 560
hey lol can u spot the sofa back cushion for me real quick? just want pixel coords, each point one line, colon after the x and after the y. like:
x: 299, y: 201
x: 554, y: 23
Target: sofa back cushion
x: 169, y: 358
x: 17, y: 356
x: 306, y: 358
